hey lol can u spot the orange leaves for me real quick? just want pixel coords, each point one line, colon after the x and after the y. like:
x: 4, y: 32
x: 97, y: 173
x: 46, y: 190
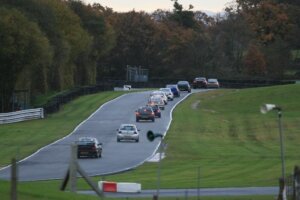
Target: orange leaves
x: 267, y: 19
x: 254, y: 61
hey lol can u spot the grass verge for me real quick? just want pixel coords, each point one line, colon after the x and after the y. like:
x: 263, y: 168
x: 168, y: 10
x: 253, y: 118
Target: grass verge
x: 220, y: 134
x: 223, y: 135
x: 22, y: 139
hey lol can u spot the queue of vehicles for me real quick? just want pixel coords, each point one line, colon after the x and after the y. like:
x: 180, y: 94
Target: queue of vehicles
x: 90, y: 147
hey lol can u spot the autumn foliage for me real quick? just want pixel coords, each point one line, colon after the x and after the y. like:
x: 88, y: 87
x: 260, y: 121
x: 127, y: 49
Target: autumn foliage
x: 53, y: 45
x: 254, y: 61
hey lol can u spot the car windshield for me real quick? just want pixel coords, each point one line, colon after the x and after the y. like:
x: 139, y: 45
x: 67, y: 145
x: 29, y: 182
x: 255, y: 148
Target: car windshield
x: 127, y: 128
x: 200, y: 79
x: 182, y: 82
x: 145, y: 109
x: 157, y: 93
x: 165, y: 89
x: 156, y: 99
x: 212, y: 80
x: 171, y: 86
x: 82, y: 141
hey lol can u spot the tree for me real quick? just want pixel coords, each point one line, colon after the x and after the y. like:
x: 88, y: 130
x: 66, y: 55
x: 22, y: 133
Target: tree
x: 267, y: 19
x: 134, y: 35
x: 182, y: 17
x: 103, y: 37
x: 67, y: 38
x: 229, y: 40
x: 23, y: 47
x: 254, y: 61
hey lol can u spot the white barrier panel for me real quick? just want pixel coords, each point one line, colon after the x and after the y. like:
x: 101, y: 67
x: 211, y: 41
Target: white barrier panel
x: 106, y: 186
x: 129, y: 187
x: 126, y: 87
x: 22, y: 115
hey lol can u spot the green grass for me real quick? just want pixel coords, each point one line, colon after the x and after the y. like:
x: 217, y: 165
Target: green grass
x: 44, y: 98
x: 22, y: 139
x: 41, y: 190
x: 227, y: 137
x: 49, y: 190
x: 220, y: 132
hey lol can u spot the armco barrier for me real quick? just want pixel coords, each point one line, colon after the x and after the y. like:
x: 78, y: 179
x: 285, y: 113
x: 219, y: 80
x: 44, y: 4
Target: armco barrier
x: 106, y: 186
x: 22, y: 115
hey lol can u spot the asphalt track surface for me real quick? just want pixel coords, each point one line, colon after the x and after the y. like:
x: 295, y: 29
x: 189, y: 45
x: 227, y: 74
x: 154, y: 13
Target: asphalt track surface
x: 52, y: 161
x: 194, y: 192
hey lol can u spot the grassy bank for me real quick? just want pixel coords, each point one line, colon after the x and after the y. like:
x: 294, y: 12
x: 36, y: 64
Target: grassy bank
x: 22, y: 139
x: 220, y: 134
x: 223, y: 135
x: 49, y: 191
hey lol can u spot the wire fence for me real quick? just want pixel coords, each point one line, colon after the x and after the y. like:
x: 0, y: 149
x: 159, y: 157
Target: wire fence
x: 54, y: 104
x: 293, y: 185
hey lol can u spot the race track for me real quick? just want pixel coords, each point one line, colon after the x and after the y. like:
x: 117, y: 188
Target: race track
x: 52, y: 161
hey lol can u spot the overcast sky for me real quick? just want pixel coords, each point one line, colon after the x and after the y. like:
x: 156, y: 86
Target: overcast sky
x: 151, y: 5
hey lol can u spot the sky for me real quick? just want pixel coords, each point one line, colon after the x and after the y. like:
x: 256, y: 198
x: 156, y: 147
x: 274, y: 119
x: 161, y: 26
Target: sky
x: 152, y: 5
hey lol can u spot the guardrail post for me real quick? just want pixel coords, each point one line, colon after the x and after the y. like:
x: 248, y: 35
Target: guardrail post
x: 42, y: 113
x: 14, y: 179
x: 89, y: 181
x: 73, y: 168
x: 282, y: 189
x: 296, y: 194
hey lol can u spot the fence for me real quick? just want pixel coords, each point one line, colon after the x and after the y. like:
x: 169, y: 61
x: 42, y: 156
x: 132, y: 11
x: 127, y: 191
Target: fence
x: 296, y: 185
x: 23, y: 115
x: 54, y: 104
x: 293, y: 185
x: 105, y: 85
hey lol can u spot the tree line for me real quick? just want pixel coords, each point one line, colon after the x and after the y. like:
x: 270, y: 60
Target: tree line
x: 52, y: 45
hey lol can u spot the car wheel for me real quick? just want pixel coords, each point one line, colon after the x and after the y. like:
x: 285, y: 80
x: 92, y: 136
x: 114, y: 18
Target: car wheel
x: 137, y: 140
x: 118, y: 140
x: 159, y: 116
x: 137, y: 120
x: 78, y: 155
x: 100, y: 155
x: 153, y: 119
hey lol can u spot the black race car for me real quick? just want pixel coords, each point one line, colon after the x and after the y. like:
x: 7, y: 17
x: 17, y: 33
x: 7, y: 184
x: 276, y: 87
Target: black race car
x: 89, y: 147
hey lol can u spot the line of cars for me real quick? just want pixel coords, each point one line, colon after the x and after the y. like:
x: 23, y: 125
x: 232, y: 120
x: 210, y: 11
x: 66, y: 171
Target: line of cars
x: 158, y: 99
x: 156, y: 103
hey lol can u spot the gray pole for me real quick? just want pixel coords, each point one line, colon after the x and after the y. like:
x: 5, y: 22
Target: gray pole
x: 159, y: 169
x: 13, y: 102
x: 73, y: 168
x: 198, y: 185
x: 283, y: 194
x: 127, y: 73
x: 281, y: 145
x: 14, y: 180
